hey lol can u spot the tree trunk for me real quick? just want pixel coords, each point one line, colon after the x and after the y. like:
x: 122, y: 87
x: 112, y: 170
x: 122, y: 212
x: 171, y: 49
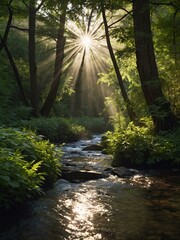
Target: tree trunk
x: 32, y: 58
x: 77, y: 103
x: 159, y: 107
x: 16, y: 74
x: 5, y: 36
x: 46, y: 108
x: 3, y: 44
x: 128, y: 104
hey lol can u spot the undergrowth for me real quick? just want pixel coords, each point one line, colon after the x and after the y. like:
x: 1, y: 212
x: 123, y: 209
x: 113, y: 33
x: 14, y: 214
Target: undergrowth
x: 139, y: 147
x: 56, y: 129
x: 27, y: 163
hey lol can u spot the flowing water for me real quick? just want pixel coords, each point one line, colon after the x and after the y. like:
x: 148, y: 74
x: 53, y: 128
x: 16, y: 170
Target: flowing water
x: 144, y: 206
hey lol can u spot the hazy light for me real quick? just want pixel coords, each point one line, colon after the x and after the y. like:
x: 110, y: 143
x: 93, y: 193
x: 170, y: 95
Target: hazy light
x: 87, y: 54
x: 86, y: 41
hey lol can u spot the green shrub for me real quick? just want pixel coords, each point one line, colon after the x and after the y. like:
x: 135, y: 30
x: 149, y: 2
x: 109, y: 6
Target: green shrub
x: 138, y: 147
x: 19, y: 179
x: 56, y: 129
x: 92, y: 124
x: 26, y: 164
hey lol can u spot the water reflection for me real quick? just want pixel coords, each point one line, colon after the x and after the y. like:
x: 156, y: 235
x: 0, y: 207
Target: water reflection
x: 81, y: 211
x: 141, y: 180
x: 133, y: 209
x: 104, y: 209
x: 107, y: 209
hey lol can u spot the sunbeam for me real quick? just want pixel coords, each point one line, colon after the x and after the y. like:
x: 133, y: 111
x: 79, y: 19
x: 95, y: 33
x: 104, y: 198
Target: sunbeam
x: 86, y: 56
x: 87, y: 51
x: 86, y: 41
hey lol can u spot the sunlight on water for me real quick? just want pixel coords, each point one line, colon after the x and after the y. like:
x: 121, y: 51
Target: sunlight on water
x: 84, y: 206
x: 107, y: 209
x: 95, y: 210
x: 141, y: 180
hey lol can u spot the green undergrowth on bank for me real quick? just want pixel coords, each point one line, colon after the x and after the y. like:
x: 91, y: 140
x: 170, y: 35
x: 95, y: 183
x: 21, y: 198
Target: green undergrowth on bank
x: 27, y: 164
x: 138, y: 147
x: 58, y: 129
x: 29, y: 159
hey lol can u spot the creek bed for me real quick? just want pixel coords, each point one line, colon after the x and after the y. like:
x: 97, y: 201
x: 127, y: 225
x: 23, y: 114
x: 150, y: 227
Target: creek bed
x: 144, y: 206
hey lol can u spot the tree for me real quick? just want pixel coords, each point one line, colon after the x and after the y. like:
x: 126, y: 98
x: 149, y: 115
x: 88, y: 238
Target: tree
x: 128, y: 104
x: 33, y: 9
x: 3, y: 39
x: 45, y: 110
x: 166, y: 28
x: 159, y: 107
x: 77, y: 105
x: 3, y: 45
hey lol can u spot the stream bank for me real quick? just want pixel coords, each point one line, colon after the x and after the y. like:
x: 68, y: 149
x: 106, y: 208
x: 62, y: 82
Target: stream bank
x: 133, y: 205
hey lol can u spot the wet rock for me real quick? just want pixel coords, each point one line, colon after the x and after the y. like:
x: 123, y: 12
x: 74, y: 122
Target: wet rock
x: 80, y: 175
x: 107, y: 172
x: 72, y: 149
x: 93, y: 147
x: 65, y: 168
x: 70, y: 164
x: 122, y: 172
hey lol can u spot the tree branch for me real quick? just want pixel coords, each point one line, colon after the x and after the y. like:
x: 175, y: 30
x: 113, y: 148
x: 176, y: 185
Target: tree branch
x: 25, y: 3
x: 40, y: 5
x: 165, y: 4
x: 10, y: 2
x: 89, y: 20
x: 18, y: 28
x: 119, y: 19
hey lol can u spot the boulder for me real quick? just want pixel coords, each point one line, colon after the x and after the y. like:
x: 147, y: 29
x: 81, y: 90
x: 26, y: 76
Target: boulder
x: 122, y: 172
x: 93, y: 147
x: 81, y: 175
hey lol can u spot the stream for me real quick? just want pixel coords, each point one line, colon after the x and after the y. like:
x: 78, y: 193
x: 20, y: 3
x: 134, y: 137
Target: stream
x: 140, y: 206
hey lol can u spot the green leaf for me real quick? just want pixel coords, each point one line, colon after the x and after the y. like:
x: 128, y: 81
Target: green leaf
x: 6, y: 178
x: 14, y: 184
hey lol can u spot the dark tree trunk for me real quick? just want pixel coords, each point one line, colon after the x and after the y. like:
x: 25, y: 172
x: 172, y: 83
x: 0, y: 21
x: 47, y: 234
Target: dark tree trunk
x: 16, y: 74
x: 8, y: 25
x: 77, y: 104
x: 128, y: 104
x: 3, y: 44
x: 159, y: 107
x: 32, y: 57
x: 46, y: 108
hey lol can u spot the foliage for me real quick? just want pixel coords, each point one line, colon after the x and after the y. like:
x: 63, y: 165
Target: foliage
x: 165, y: 26
x: 138, y: 147
x: 7, y: 88
x: 26, y: 164
x: 56, y: 129
x: 166, y: 38
x: 19, y: 180
x: 92, y: 124
x: 12, y: 117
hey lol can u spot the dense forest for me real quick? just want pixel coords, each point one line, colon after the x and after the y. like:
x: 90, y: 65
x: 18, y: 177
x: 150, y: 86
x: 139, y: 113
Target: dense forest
x: 72, y: 68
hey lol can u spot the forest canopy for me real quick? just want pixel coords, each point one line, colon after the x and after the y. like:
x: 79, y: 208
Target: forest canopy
x: 92, y: 58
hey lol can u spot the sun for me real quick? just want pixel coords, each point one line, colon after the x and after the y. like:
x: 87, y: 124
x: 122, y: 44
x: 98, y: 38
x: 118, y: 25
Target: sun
x: 86, y: 41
